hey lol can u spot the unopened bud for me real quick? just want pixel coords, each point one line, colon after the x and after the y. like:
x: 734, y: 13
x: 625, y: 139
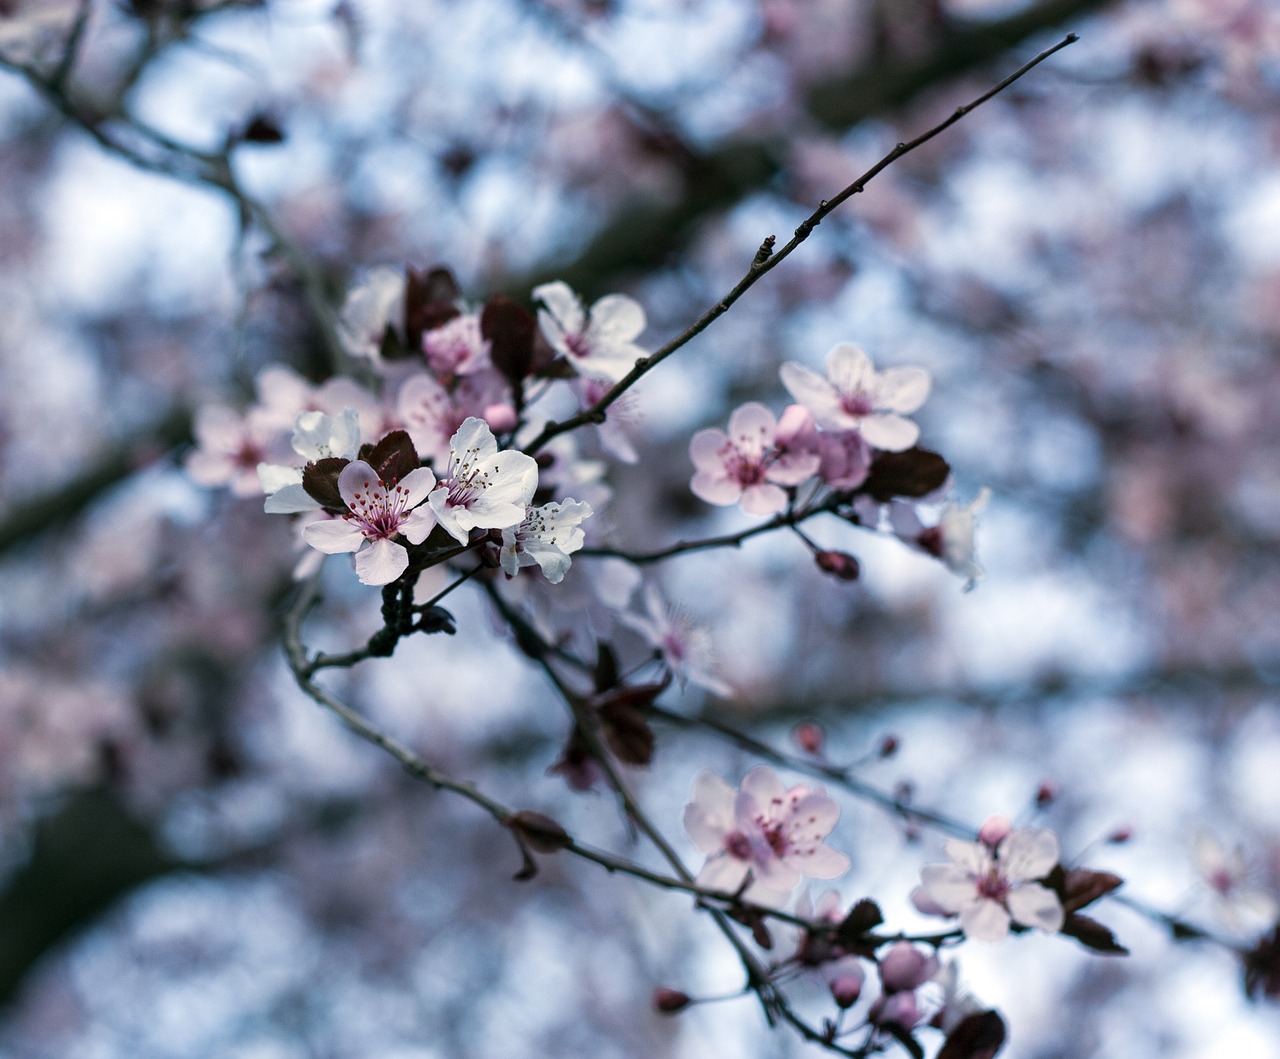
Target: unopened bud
x: 1120, y: 835
x: 889, y: 746
x: 669, y: 1001
x: 1046, y: 793
x: 838, y: 564
x: 539, y: 831
x: 501, y: 418
x: 809, y: 737
x: 846, y: 989
x: 993, y: 830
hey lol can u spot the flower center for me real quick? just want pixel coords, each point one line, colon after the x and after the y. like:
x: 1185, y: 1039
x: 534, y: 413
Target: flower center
x: 379, y: 511
x: 857, y: 404
x: 737, y: 845
x: 994, y: 886
x: 578, y: 345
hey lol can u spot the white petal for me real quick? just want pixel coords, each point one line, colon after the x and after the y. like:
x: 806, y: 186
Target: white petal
x: 289, y: 500
x: 474, y: 436
x: 902, y: 389
x: 947, y: 886
x: 333, y: 535
x: 971, y: 857
x: 716, y: 488
x: 1034, y: 905
x: 889, y: 432
x: 723, y: 873
x: 823, y: 863
x: 382, y: 562
x: 358, y: 477
x: 709, y: 815
x: 985, y: 921
x: 849, y: 368
x: 417, y: 484
x: 809, y: 388
x: 562, y: 304
x: 418, y: 525
x: 704, y: 450
x: 616, y: 319
x: 763, y: 499
x: 1028, y: 853
x: 762, y: 784
x: 753, y: 426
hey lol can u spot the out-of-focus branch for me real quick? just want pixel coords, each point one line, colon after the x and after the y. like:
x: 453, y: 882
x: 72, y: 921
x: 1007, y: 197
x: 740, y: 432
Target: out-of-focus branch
x: 767, y: 258
x: 28, y: 519
x: 647, y: 233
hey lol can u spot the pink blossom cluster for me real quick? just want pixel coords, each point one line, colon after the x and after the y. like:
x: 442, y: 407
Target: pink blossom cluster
x: 840, y: 420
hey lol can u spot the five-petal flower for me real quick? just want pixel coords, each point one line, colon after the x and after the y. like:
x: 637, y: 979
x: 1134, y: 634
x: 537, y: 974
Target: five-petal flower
x: 485, y: 488
x: 989, y: 888
x: 854, y: 396
x: 377, y: 513
x: 601, y: 342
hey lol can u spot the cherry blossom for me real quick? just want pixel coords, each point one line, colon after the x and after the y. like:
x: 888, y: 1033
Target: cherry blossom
x: 842, y: 972
x: 456, y: 347
x: 989, y: 888
x: 745, y: 465
x: 230, y: 446
x: 1241, y: 906
x: 485, y: 488
x: 316, y: 437
x: 854, y: 396
x: 951, y: 539
x: 432, y: 413
x: 548, y: 536
x: 378, y: 512
x: 764, y: 830
x: 600, y: 342
x: 370, y: 308
x: 685, y: 647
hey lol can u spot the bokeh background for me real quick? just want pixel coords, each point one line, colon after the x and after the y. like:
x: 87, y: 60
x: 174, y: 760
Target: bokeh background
x: 195, y: 861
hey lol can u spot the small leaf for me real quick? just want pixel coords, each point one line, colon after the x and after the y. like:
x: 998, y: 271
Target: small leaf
x: 320, y: 480
x: 1082, y: 887
x: 510, y: 329
x: 430, y: 300
x: 863, y: 918
x: 606, y: 674
x: 978, y: 1036
x: 394, y: 457
x: 626, y: 730
x: 538, y: 830
x: 1092, y: 935
x: 916, y: 472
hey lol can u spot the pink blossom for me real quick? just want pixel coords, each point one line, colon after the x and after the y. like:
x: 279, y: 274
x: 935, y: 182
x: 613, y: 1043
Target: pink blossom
x: 433, y: 413
x: 951, y: 539
x: 991, y: 888
x: 456, y: 347
x: 854, y: 396
x: 746, y: 465
x: 377, y: 513
x: 601, y: 342
x: 763, y: 830
x: 230, y: 446
x: 548, y: 535
x: 685, y: 647
x: 485, y: 488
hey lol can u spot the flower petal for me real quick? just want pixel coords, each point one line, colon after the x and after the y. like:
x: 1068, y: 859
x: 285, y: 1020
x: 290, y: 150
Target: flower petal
x: 382, y: 562
x: 332, y: 536
x: 1034, y: 905
x: 985, y: 921
x: 902, y: 389
x: 889, y: 432
x: 1028, y: 853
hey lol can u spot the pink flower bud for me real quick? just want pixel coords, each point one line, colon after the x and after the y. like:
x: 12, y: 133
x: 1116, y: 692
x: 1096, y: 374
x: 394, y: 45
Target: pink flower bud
x: 1120, y: 835
x: 809, y: 737
x: 889, y: 746
x: 898, y: 1008
x: 500, y: 417
x: 846, y: 989
x: 838, y: 564
x: 905, y: 967
x: 1047, y: 793
x: 993, y: 830
x: 669, y: 1001
x: 926, y: 905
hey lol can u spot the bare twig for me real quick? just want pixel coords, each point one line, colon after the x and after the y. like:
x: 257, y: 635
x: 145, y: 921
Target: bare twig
x: 764, y: 262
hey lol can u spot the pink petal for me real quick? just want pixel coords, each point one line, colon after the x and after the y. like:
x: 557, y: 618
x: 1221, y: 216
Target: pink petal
x: 762, y: 784
x: 971, y: 857
x: 753, y: 426
x: 358, y: 477
x: 704, y: 449
x: 382, y: 562
x: 809, y: 388
x: 562, y: 305
x: 823, y: 863
x: 715, y: 488
x: 763, y: 499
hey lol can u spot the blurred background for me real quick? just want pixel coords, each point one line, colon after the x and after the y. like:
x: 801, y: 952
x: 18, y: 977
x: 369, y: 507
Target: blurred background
x: 195, y: 861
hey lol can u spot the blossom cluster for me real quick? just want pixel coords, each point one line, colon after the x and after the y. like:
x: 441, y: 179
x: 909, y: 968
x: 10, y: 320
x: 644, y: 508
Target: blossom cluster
x: 835, y: 438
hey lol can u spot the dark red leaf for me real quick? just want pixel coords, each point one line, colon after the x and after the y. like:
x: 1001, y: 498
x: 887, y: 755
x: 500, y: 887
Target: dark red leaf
x: 915, y: 472
x: 1092, y: 935
x: 393, y: 458
x: 430, y: 300
x: 510, y: 329
x: 320, y: 480
x: 978, y: 1036
x: 539, y: 831
x: 863, y: 918
x: 1082, y: 887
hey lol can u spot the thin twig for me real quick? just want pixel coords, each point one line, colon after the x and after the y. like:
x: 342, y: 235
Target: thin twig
x: 765, y: 261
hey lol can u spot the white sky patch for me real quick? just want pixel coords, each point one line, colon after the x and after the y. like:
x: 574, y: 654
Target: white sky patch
x: 1253, y: 222
x: 113, y: 231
